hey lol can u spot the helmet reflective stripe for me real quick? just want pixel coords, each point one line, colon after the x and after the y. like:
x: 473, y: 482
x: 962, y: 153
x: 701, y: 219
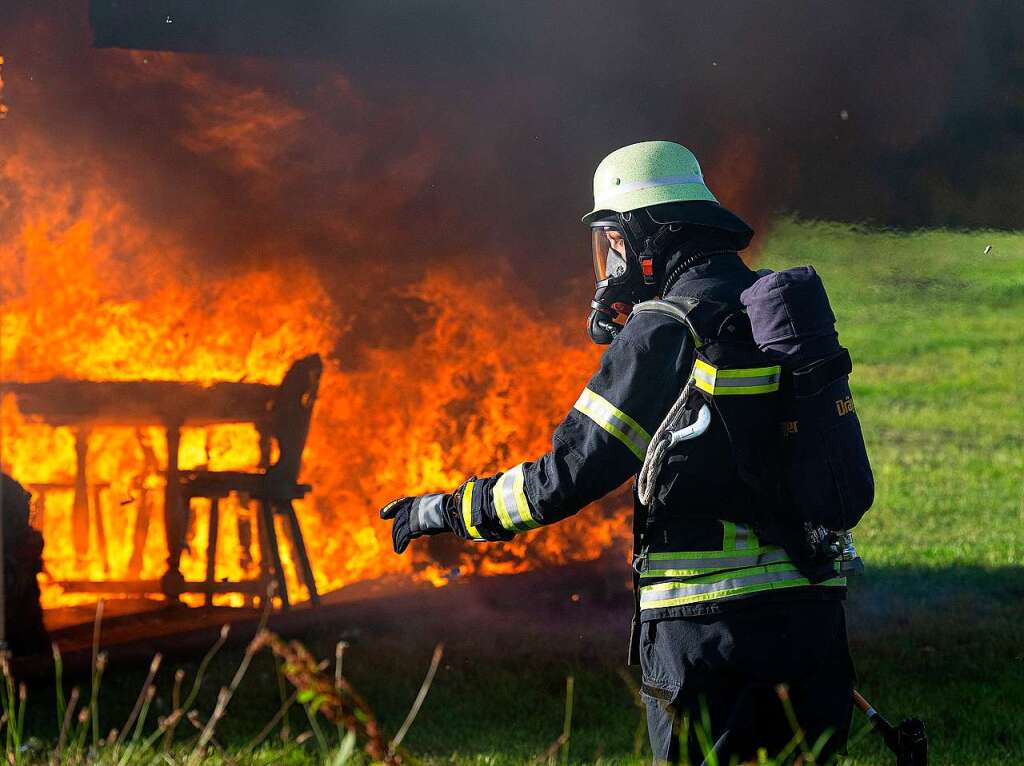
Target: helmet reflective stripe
x: 511, y: 503
x: 666, y: 181
x: 467, y: 511
x: 646, y: 174
x: 614, y: 421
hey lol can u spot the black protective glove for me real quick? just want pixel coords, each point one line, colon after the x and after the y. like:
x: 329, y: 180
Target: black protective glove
x: 418, y: 516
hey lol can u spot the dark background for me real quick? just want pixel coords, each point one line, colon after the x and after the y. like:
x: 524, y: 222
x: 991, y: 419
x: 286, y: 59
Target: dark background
x: 933, y: 93
x: 390, y: 136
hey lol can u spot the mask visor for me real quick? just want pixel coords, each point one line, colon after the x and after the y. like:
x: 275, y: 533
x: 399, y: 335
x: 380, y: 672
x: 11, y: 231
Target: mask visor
x: 609, y: 249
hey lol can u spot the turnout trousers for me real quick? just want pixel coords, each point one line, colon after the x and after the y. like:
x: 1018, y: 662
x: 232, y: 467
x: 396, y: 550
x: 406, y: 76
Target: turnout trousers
x: 721, y: 671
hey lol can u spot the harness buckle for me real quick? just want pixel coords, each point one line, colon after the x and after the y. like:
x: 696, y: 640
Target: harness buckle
x: 640, y: 562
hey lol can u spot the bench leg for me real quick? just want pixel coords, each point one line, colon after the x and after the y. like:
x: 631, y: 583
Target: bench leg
x: 80, y: 505
x: 244, y: 528
x: 211, y: 548
x: 267, y: 512
x: 140, y: 533
x: 300, y: 549
x: 175, y: 516
x: 101, y: 529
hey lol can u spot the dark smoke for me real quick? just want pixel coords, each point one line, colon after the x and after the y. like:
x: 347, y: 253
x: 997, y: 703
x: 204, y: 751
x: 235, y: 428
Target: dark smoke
x: 393, y: 135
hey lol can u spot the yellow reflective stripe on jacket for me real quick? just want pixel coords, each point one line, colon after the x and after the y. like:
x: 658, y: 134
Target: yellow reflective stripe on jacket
x: 728, y: 536
x: 749, y: 380
x: 738, y: 537
x: 614, y: 421
x: 690, y: 563
x: 511, y: 503
x: 726, y: 585
x: 467, y: 511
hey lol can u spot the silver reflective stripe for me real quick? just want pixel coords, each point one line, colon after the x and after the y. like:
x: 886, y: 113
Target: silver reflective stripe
x: 662, y: 567
x: 742, y: 536
x: 652, y: 183
x: 704, y: 377
x: 511, y: 503
x: 752, y: 380
x: 677, y: 593
x: 614, y: 421
x: 428, y: 514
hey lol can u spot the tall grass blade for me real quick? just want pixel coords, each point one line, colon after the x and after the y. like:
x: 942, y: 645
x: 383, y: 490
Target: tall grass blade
x: 345, y: 752
x: 197, y: 682
x: 168, y: 729
x: 81, y: 733
x: 418, y: 702
x: 570, y: 685
x: 799, y: 737
x: 265, y: 731
x: 224, y: 697
x: 339, y: 659
x: 65, y: 726
x: 196, y: 720
x: 703, y: 732
x: 97, y: 672
x: 147, y: 688
x: 22, y: 704
x: 199, y: 751
x: 10, y: 705
x: 314, y: 725
x: 58, y: 678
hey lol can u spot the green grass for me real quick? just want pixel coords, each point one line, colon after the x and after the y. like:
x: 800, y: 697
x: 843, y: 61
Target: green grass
x: 936, y: 329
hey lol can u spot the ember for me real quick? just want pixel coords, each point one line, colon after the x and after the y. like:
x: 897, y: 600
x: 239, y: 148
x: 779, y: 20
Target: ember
x: 3, y: 106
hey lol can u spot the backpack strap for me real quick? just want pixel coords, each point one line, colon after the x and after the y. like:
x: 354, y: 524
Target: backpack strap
x: 676, y: 307
x: 705, y: 319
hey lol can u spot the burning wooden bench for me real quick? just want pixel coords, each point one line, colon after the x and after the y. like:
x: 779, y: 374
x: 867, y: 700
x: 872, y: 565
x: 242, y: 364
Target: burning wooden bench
x: 280, y: 414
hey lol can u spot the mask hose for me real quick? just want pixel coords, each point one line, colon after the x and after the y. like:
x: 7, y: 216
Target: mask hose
x: 600, y: 327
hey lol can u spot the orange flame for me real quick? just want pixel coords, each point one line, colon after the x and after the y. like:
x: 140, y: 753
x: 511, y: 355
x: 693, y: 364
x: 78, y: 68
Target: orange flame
x: 92, y: 290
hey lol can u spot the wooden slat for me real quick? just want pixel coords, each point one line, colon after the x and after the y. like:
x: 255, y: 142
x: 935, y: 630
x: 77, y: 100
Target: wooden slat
x: 255, y: 587
x: 141, y: 402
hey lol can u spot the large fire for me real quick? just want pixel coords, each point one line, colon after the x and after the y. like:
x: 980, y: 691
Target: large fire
x: 93, y: 290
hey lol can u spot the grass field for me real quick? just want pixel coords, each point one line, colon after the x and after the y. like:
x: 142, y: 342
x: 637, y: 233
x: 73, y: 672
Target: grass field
x: 935, y: 327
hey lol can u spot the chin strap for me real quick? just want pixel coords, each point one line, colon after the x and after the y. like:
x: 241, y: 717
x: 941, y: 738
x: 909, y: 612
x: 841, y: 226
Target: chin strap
x: 653, y: 247
x: 654, y: 242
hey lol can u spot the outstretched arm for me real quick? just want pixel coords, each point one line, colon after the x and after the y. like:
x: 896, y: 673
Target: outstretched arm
x: 600, y: 444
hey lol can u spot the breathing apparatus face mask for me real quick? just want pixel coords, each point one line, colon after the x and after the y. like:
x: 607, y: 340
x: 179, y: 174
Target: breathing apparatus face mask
x: 619, y: 282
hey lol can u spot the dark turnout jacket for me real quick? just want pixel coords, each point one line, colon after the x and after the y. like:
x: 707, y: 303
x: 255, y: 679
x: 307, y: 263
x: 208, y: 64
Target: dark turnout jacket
x: 703, y: 554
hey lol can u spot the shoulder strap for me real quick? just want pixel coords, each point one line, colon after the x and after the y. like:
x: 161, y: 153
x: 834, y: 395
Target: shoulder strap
x: 704, y: 318
x: 675, y: 306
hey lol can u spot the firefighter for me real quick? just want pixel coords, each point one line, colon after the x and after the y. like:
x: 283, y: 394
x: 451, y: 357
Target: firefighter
x: 723, y: 615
